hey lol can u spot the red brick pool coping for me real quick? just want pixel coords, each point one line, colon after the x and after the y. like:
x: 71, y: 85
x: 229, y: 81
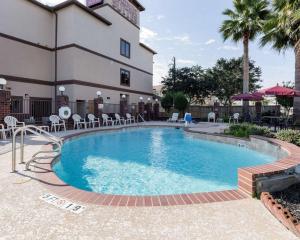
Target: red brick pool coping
x: 247, y: 176
x: 246, y: 183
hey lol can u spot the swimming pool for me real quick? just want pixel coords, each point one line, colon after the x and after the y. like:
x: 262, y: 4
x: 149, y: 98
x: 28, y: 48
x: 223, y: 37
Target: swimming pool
x: 152, y: 161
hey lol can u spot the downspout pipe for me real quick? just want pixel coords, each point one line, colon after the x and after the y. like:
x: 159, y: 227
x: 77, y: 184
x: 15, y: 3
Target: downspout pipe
x: 55, y: 55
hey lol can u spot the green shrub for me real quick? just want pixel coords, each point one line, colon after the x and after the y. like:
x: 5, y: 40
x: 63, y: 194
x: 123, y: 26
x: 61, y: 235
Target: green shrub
x: 244, y: 130
x: 167, y: 101
x: 180, y: 102
x: 291, y: 136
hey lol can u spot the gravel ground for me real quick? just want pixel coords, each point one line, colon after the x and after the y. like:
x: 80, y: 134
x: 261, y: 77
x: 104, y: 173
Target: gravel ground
x: 290, y: 199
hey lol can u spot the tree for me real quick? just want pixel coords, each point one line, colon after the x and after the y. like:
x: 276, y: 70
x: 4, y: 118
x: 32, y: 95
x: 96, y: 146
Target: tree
x: 285, y: 101
x: 282, y: 30
x: 244, y: 23
x: 180, y: 102
x: 167, y: 101
x: 189, y: 80
x: 227, y: 78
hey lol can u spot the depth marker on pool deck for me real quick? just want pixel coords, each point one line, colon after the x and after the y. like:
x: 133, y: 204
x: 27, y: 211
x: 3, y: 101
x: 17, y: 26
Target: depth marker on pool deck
x: 62, y: 203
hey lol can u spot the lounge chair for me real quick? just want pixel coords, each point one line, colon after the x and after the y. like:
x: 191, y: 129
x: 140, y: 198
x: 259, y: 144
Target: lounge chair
x: 107, y: 120
x: 187, y: 118
x: 56, y: 123
x: 93, y: 120
x: 174, y: 117
x: 119, y: 119
x: 79, y: 121
x: 235, y: 118
x: 13, y: 123
x: 211, y: 117
x: 130, y: 118
x: 3, y: 131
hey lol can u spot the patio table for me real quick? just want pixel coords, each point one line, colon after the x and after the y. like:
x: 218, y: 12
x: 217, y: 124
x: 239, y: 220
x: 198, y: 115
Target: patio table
x: 274, y: 121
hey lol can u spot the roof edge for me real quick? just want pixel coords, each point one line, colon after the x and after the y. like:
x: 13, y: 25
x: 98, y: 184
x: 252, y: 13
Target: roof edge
x: 138, y: 5
x: 148, y: 48
x: 83, y: 7
x: 67, y: 4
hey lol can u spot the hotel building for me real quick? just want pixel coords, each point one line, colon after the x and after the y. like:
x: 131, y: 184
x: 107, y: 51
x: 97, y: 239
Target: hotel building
x: 84, y: 48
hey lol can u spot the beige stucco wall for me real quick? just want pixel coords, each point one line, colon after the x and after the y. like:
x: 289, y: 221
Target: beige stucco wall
x: 33, y: 90
x: 76, y: 26
x: 27, y: 21
x: 76, y: 64
x: 22, y: 60
x: 76, y: 92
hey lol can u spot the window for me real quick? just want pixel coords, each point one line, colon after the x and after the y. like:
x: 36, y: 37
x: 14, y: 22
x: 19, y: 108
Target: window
x: 125, y: 48
x: 125, y: 77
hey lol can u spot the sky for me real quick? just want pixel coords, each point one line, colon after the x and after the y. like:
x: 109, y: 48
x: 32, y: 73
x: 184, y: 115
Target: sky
x: 189, y: 31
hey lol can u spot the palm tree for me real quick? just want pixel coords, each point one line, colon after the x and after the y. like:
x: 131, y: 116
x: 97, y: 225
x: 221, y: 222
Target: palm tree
x: 244, y: 23
x: 283, y: 31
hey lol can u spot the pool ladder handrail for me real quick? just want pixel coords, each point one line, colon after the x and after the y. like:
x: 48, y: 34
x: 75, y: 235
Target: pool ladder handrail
x: 38, y: 132
x: 141, y: 117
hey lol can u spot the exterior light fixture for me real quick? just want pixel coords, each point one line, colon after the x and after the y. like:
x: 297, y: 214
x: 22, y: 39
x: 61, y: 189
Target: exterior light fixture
x: 149, y: 99
x: 156, y: 100
x: 62, y: 89
x: 3, y: 82
x: 141, y: 99
x: 99, y: 93
x: 124, y: 96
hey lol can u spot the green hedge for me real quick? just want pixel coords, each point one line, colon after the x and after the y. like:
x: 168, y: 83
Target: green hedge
x: 244, y: 130
x: 291, y: 136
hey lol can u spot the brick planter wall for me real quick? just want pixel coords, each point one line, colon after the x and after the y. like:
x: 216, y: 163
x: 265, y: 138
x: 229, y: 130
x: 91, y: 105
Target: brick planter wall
x: 282, y: 214
x: 4, y: 104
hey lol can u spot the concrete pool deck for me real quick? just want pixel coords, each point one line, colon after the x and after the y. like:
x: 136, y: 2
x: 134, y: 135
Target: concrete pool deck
x: 24, y: 216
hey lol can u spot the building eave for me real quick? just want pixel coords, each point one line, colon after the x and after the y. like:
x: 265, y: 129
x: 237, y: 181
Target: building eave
x: 83, y: 7
x: 69, y: 3
x: 138, y: 5
x: 148, y: 48
x: 43, y: 6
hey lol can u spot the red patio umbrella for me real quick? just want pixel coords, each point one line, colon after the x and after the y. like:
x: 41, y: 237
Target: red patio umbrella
x: 248, y: 97
x: 281, y: 91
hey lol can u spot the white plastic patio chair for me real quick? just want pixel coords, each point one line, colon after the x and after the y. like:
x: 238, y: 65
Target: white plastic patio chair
x: 3, y: 131
x: 107, y: 120
x: 130, y: 118
x: 211, y: 117
x: 93, y: 120
x: 56, y: 123
x: 119, y: 120
x: 235, y: 118
x: 174, y: 117
x: 79, y: 121
x: 13, y: 123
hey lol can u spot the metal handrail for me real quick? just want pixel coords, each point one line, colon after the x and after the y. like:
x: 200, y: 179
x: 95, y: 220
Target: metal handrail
x: 28, y: 128
x: 141, y: 117
x: 34, y: 157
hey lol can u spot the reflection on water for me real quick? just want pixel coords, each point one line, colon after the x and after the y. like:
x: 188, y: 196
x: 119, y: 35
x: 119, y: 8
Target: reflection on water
x: 152, y: 161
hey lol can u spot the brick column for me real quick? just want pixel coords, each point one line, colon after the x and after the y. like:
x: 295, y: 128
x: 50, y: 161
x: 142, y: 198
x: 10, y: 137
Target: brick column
x: 98, y: 106
x: 4, y: 104
x: 258, y: 107
x: 123, y: 107
x: 61, y: 101
x: 148, y: 110
x: 217, y: 109
x: 297, y: 109
x: 156, y: 111
x: 141, y: 108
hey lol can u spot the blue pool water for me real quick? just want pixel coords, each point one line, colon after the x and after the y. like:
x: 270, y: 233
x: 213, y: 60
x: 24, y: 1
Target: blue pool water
x: 152, y: 161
